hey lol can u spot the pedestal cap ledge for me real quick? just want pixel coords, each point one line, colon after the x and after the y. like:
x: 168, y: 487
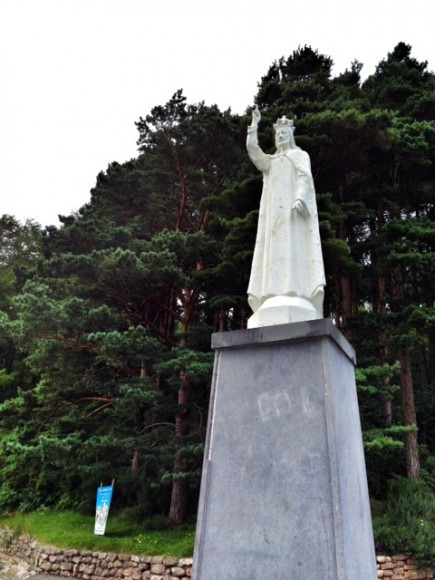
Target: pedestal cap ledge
x: 297, y: 331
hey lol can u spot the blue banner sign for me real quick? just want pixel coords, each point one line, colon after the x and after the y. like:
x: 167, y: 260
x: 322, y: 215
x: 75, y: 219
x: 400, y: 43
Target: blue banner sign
x: 104, y: 497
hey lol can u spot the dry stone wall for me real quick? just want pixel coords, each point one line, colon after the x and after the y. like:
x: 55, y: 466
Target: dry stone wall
x: 104, y: 566
x: 94, y: 565
x: 401, y: 567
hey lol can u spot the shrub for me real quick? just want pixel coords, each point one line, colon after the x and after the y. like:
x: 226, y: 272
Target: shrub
x: 408, y: 524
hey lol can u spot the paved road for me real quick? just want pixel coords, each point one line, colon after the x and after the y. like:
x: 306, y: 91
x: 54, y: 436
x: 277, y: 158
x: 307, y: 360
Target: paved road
x: 43, y: 577
x: 14, y: 569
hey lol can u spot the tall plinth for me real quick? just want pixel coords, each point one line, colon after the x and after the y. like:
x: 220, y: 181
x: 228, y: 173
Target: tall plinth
x: 284, y: 489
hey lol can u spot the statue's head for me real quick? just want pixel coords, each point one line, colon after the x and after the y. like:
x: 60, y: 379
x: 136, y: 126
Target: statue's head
x: 284, y: 129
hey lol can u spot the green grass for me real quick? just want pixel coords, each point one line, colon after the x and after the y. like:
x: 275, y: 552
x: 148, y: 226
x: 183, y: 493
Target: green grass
x: 68, y: 529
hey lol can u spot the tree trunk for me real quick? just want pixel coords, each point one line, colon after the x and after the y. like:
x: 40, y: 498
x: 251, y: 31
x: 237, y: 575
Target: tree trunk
x: 180, y: 495
x: 346, y: 306
x: 407, y: 389
x: 180, y: 487
x: 346, y: 298
x: 388, y: 404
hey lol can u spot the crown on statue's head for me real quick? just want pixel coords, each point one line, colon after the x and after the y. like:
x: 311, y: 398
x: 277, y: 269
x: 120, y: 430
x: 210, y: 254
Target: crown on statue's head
x: 284, y: 122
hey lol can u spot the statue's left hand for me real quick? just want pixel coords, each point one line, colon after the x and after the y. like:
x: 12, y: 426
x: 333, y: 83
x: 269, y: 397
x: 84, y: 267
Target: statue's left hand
x: 298, y: 206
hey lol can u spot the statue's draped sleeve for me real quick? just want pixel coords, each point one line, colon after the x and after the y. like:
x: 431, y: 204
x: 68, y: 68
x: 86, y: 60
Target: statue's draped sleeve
x: 305, y: 184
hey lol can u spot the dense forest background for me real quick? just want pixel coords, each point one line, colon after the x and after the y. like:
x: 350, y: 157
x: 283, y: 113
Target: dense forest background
x: 105, y: 322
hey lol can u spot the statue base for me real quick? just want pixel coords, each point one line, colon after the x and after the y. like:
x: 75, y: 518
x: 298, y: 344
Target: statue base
x: 284, y: 489
x: 283, y: 310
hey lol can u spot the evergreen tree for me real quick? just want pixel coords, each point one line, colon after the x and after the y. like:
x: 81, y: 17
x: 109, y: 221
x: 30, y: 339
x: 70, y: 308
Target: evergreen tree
x: 20, y: 246
x: 116, y: 321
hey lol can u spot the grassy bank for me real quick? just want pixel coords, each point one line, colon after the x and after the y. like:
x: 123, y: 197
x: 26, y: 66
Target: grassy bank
x: 68, y: 529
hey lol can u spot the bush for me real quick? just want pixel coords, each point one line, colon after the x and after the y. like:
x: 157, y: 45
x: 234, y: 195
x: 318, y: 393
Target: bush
x: 408, y: 524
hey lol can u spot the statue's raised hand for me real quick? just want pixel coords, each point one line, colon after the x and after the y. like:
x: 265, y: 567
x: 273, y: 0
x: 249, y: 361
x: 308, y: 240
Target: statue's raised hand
x: 256, y: 116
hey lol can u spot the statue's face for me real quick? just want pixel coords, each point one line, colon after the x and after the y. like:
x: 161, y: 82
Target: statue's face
x: 282, y: 137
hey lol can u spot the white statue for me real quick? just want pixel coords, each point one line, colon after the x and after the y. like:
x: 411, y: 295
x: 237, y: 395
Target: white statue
x: 287, y: 276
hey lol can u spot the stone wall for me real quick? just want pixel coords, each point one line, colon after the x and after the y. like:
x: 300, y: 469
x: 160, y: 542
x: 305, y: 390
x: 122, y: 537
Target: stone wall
x: 102, y: 566
x: 94, y: 565
x: 401, y: 567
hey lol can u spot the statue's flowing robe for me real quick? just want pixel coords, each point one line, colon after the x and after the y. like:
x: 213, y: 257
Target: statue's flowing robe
x: 288, y: 257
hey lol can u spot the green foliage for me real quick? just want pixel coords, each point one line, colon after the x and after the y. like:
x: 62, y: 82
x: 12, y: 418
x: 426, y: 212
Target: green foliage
x: 408, y: 524
x: 7, y: 380
x: 20, y: 247
x: 303, y: 80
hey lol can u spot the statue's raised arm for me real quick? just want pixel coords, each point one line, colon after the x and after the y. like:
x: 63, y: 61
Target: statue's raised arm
x: 287, y: 276
x: 258, y: 158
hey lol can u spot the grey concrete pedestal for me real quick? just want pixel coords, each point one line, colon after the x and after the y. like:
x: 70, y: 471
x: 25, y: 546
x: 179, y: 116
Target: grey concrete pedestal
x: 284, y: 492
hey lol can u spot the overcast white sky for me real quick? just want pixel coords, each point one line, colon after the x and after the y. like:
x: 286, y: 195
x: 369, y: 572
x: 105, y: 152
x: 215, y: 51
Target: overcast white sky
x: 76, y: 74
